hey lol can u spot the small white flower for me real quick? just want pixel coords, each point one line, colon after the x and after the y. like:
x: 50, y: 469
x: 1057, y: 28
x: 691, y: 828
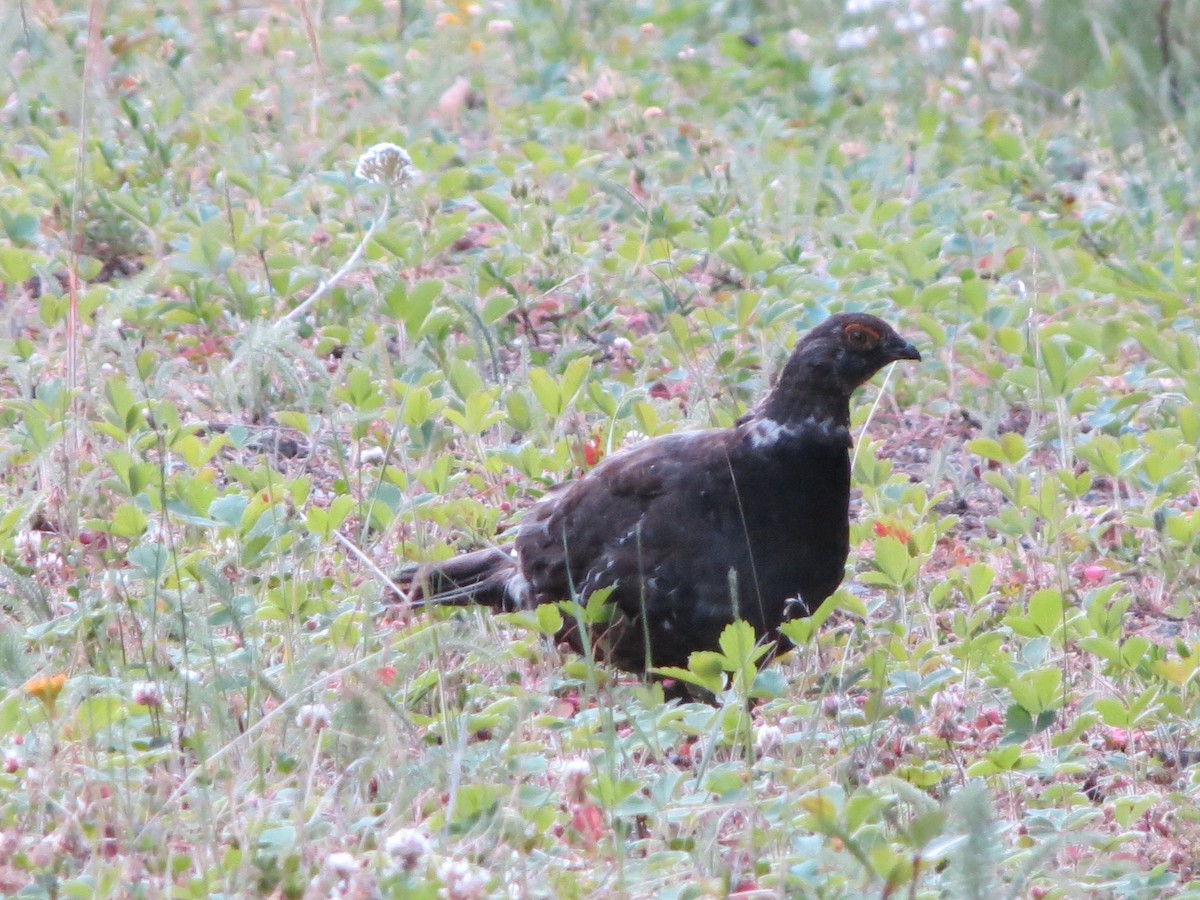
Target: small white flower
x: 372, y: 455
x: 146, y: 693
x: 935, y: 39
x: 768, y: 739
x: 575, y: 775
x: 948, y: 702
x: 314, y: 716
x: 633, y: 437
x: 798, y: 43
x: 27, y: 543
x: 499, y: 26
x: 461, y: 880
x: 408, y: 846
x: 577, y: 769
x: 386, y: 164
x: 341, y: 864
x: 857, y: 7
x: 857, y: 38
x: 909, y: 23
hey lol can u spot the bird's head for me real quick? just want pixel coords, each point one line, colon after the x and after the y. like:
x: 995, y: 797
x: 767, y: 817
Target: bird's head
x: 831, y: 362
x: 851, y: 347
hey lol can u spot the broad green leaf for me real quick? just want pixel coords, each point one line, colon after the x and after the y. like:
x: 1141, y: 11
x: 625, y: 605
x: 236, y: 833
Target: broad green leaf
x: 547, y: 391
x: 128, y: 522
x: 739, y: 643
x: 549, y: 619
x: 498, y: 206
x: 892, y: 559
x: 16, y: 264
x: 1046, y: 611
x: 230, y: 510
x: 95, y: 714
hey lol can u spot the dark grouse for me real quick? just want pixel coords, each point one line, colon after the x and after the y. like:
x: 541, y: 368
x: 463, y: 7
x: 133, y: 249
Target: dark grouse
x: 696, y: 529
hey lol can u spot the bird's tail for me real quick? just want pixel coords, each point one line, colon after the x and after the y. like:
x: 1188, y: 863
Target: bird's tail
x: 486, y: 577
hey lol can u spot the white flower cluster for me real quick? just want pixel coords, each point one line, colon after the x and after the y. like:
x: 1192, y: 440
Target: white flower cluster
x: 409, y: 846
x: 461, y: 880
x: 387, y: 164
x: 857, y: 38
x: 857, y: 7
x: 314, y: 716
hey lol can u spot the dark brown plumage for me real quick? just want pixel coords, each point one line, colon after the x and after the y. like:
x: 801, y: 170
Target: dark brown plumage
x: 693, y: 530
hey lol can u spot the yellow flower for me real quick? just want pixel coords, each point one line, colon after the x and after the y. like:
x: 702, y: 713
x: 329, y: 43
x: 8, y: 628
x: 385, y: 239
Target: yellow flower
x: 46, y: 689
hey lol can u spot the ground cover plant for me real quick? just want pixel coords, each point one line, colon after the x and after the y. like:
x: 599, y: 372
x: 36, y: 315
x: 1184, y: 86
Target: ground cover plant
x: 298, y: 293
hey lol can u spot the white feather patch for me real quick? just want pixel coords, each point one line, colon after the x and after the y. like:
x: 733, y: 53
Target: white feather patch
x: 517, y: 589
x: 768, y: 432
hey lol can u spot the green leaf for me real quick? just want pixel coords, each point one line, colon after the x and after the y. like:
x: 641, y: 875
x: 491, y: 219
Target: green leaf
x: 413, y: 305
x: 892, y: 559
x: 519, y: 415
x: 572, y: 379
x: 95, y: 714
x: 713, y: 682
x: 549, y: 619
x: 1046, y: 611
x: 1134, y: 650
x: 151, y: 559
x: 418, y: 407
x: 1013, y: 446
x: 546, y: 391
x: 464, y: 379
x: 16, y: 264
x: 124, y: 405
x: 276, y: 839
x: 345, y: 632
x: 496, y: 205
x: 980, y: 577
x: 1038, y: 691
x: 799, y: 631
x: 769, y: 684
x: 1007, y: 145
x: 988, y: 449
x: 229, y: 510
x: 197, y: 453
x: 738, y: 643
x: 128, y: 522
x: 21, y: 228
x: 707, y: 663
x: 1113, y: 713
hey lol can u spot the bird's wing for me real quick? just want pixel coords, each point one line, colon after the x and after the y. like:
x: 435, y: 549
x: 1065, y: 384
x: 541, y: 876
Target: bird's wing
x: 565, y: 538
x: 661, y: 524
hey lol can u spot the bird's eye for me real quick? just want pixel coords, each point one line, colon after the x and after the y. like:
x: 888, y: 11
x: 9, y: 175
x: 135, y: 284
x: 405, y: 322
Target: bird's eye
x: 860, y: 336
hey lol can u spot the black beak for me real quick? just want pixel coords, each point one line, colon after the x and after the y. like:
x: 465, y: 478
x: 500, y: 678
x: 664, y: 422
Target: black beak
x: 898, y: 348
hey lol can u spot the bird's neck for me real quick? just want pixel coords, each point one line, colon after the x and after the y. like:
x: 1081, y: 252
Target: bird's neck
x: 805, y: 392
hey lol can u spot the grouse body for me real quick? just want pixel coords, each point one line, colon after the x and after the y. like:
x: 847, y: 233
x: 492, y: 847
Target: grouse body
x: 696, y: 529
